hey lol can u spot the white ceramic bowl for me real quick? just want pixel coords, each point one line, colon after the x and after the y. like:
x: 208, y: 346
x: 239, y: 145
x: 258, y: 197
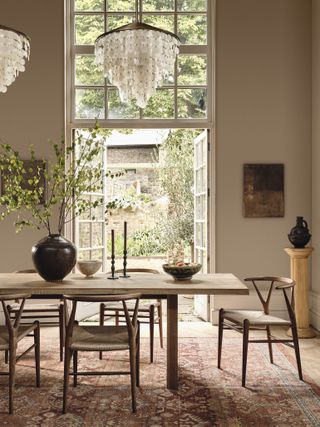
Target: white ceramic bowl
x: 89, y: 267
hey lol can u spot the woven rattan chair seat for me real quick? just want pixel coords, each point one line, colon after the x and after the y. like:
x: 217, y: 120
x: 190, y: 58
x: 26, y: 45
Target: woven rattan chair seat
x: 104, y: 338
x: 256, y: 318
x: 22, y: 332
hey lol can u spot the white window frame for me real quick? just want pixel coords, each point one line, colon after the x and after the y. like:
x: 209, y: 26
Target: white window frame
x: 204, y: 123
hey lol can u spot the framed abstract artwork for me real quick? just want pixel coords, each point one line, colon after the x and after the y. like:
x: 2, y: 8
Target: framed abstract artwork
x: 263, y: 190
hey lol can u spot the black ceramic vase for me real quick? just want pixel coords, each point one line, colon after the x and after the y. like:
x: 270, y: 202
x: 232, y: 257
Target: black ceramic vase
x: 299, y: 235
x: 54, y: 257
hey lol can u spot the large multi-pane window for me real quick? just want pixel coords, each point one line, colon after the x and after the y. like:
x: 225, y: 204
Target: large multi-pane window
x: 184, y: 94
x: 184, y: 101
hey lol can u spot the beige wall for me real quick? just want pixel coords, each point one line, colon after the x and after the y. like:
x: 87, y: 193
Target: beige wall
x: 315, y: 295
x: 263, y: 116
x: 32, y: 109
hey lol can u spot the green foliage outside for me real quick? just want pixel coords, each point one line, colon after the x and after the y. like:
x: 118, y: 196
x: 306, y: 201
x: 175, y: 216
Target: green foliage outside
x: 176, y: 175
x: 173, y: 234
x: 46, y: 189
x: 140, y: 243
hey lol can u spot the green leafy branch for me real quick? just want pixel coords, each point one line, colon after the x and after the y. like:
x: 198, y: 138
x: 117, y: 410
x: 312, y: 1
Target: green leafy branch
x: 59, y: 185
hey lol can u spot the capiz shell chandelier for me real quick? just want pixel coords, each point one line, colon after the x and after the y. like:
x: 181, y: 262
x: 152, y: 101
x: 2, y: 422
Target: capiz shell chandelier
x: 136, y: 58
x: 14, y: 51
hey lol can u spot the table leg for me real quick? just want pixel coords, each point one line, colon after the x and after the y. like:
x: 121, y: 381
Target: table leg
x: 172, y: 342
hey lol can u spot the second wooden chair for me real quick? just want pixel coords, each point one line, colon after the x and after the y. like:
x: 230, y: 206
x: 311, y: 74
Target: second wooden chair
x: 11, y: 334
x: 44, y: 312
x: 245, y: 320
x: 150, y: 312
x: 105, y: 338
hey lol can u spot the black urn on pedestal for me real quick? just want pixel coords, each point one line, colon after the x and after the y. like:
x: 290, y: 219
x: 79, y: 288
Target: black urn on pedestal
x: 54, y: 257
x: 299, y: 235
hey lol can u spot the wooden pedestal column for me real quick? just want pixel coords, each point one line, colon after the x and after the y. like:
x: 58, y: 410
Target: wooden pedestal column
x: 299, y: 273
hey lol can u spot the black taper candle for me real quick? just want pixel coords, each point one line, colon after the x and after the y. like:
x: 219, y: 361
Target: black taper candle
x: 112, y: 243
x: 113, y: 277
x: 125, y: 251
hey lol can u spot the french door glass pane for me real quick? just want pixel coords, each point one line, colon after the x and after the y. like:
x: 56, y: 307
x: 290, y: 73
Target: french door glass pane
x: 84, y: 255
x: 96, y: 254
x: 199, y: 234
x: 84, y: 233
x: 98, y: 211
x: 97, y: 231
x: 86, y: 214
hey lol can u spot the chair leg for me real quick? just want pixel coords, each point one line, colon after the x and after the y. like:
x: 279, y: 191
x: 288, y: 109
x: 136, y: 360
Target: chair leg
x: 270, y: 344
x: 246, y: 326
x: 61, y: 330
x: 6, y: 357
x: 295, y: 339
x: 37, y: 353
x: 12, y: 371
x: 67, y: 360
x: 75, y: 368
x: 220, y: 336
x: 117, y: 318
x: 151, y: 327
x: 138, y: 356
x: 133, y: 374
x: 102, y: 307
x: 160, y: 324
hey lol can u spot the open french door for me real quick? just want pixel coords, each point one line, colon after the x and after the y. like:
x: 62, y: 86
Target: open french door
x: 201, y: 302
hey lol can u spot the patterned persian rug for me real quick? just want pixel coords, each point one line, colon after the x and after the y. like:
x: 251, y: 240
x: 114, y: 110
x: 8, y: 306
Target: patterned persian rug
x: 206, y: 396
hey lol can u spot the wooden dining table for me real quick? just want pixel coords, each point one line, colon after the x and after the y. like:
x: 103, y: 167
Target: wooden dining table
x: 149, y: 285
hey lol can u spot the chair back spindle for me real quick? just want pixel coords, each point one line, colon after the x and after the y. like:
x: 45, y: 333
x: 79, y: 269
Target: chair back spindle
x: 277, y: 283
x: 13, y: 326
x: 289, y: 301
